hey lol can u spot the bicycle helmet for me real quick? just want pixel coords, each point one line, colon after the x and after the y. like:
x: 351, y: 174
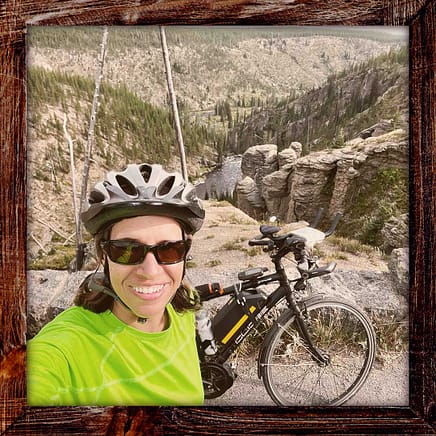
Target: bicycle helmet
x: 142, y: 189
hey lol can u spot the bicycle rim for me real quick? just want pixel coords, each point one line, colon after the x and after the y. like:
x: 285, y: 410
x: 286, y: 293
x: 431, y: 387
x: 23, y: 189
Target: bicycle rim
x: 292, y: 375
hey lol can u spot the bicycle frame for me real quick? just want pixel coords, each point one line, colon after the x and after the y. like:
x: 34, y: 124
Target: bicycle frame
x: 283, y: 291
x: 226, y: 350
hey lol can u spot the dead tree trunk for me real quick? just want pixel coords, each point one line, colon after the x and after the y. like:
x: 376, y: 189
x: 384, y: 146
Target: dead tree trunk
x: 173, y: 103
x: 73, y: 173
x: 88, y: 149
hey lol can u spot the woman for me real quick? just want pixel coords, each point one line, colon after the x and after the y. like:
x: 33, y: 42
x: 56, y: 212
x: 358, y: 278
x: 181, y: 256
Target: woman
x: 130, y: 338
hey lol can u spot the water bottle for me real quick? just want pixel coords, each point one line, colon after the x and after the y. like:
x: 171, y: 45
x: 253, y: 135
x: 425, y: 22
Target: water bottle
x: 204, y: 328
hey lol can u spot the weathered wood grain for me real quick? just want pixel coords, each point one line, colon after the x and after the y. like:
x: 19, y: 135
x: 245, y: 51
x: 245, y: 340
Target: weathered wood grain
x: 418, y: 418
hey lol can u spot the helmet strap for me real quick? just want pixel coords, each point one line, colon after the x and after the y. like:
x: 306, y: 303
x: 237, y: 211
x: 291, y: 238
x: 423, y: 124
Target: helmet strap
x: 110, y: 291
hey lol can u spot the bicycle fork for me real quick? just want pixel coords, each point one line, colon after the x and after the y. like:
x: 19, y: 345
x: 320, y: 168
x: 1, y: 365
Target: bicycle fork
x: 321, y: 358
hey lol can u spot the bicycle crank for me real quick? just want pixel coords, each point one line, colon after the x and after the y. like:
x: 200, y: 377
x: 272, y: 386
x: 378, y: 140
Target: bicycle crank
x: 217, y: 378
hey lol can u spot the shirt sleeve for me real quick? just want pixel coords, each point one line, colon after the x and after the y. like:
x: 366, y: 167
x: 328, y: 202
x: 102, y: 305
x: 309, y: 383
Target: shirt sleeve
x: 48, y: 379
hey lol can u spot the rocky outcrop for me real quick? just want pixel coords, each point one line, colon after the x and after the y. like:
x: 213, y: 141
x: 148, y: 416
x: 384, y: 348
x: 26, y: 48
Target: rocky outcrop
x: 267, y: 173
x: 295, y: 187
x: 378, y: 129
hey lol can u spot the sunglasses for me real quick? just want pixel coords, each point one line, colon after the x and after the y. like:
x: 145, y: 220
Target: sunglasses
x: 127, y: 252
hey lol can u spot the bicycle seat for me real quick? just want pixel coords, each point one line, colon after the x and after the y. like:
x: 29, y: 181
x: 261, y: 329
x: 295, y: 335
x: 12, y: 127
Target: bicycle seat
x: 268, y: 230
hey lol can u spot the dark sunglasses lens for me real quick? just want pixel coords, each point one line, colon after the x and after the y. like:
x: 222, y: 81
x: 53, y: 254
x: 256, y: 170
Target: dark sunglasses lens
x: 172, y: 252
x: 125, y: 253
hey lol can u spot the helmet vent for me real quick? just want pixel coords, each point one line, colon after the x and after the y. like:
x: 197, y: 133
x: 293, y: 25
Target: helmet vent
x: 166, y: 186
x: 96, y: 197
x: 145, y: 171
x: 191, y: 196
x: 126, y: 185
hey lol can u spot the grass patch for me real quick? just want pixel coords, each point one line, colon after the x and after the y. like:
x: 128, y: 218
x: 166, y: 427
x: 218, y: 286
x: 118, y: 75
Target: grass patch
x: 234, y: 245
x: 234, y: 219
x: 392, y: 332
x: 254, y: 251
x: 219, y: 203
x: 353, y: 246
x: 191, y: 264
x: 58, y: 258
x: 250, y: 345
x: 212, y: 263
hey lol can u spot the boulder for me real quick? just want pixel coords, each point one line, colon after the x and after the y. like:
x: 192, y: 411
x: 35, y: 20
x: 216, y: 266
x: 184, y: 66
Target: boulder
x: 270, y: 172
x: 378, y: 129
x: 373, y: 291
x: 49, y: 292
x: 311, y: 185
x: 288, y: 156
x: 398, y: 265
x: 259, y: 160
x: 395, y: 233
x: 249, y: 198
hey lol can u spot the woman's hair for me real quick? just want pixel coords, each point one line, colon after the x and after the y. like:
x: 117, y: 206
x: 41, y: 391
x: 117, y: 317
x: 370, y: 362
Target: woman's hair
x: 186, y: 297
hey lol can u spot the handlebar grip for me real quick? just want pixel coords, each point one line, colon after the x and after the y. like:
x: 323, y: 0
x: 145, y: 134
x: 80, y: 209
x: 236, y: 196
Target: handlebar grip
x: 208, y: 291
x: 253, y: 242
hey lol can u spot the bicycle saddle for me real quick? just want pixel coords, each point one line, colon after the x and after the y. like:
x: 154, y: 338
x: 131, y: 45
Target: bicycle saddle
x: 268, y: 230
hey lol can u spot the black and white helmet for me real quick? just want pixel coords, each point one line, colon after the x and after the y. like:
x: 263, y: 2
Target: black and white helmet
x: 142, y: 189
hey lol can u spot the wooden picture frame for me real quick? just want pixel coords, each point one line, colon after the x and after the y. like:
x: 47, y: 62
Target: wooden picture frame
x: 417, y: 418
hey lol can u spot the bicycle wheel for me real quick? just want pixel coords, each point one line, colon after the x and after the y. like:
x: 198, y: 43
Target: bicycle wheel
x: 293, y: 376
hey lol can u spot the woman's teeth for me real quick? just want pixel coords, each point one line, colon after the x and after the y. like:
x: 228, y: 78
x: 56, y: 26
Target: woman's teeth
x: 149, y: 289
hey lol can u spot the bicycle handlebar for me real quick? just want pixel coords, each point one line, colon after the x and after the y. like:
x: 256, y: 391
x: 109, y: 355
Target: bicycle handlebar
x: 296, y: 241
x: 254, y: 242
x: 332, y: 228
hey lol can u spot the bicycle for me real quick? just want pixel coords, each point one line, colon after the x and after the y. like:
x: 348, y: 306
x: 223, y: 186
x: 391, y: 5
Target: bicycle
x: 318, y: 351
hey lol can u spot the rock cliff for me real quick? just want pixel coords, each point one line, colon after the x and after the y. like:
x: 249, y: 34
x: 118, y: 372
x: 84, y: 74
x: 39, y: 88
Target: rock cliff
x: 294, y: 187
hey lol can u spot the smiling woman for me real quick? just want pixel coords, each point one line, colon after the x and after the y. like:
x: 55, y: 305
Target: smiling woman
x: 130, y: 338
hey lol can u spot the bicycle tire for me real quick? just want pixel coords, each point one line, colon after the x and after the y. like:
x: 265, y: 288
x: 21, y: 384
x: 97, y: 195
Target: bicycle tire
x: 292, y: 376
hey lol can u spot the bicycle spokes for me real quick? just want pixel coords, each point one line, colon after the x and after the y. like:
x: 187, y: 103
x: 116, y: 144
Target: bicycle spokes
x: 292, y: 373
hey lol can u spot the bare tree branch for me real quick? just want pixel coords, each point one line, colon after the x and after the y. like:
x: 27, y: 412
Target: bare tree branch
x: 73, y: 173
x: 173, y: 103
x: 88, y: 148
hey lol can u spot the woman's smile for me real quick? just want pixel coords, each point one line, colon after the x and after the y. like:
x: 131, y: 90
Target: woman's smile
x: 148, y: 289
x: 150, y: 292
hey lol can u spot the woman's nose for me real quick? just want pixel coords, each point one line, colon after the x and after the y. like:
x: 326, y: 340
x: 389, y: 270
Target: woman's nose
x: 149, y: 265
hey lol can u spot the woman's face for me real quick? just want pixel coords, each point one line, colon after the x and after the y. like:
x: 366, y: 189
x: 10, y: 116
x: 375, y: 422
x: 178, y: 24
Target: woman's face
x: 149, y: 286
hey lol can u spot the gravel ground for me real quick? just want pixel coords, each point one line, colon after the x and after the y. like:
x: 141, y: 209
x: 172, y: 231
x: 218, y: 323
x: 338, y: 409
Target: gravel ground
x: 387, y: 385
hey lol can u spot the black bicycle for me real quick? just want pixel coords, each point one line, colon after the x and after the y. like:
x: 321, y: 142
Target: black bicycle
x: 318, y: 351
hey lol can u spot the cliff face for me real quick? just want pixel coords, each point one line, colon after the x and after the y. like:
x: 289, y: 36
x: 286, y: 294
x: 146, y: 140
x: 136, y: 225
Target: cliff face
x: 293, y: 187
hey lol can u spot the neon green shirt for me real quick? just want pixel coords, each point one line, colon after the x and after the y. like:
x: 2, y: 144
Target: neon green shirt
x: 86, y: 358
